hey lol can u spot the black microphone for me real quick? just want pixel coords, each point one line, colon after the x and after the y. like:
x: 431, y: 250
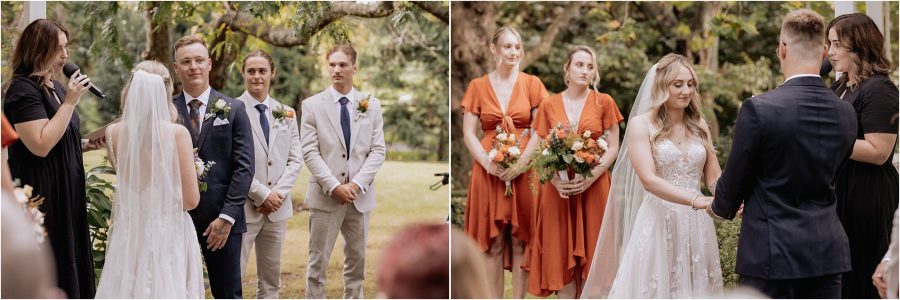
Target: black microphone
x: 71, y: 68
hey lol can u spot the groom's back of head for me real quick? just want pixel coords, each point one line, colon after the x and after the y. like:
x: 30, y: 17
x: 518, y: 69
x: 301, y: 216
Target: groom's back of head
x: 803, y: 32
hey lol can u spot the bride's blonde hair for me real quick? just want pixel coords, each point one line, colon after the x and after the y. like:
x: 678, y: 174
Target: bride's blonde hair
x: 157, y: 68
x: 666, y: 71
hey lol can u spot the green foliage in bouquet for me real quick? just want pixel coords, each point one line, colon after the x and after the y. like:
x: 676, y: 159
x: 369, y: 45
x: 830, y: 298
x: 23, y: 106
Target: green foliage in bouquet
x: 565, y: 149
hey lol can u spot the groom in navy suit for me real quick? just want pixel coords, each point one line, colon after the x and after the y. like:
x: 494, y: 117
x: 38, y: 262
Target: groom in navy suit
x: 221, y: 130
x: 788, y: 145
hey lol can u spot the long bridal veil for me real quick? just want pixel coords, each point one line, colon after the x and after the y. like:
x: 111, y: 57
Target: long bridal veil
x: 152, y: 251
x: 625, y: 197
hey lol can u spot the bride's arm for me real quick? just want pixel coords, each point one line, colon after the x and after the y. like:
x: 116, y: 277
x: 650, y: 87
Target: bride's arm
x: 190, y: 189
x: 712, y: 170
x: 638, y: 139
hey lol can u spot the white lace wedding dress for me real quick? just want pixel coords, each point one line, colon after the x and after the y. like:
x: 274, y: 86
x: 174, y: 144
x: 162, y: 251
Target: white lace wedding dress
x: 672, y: 252
x: 152, y: 249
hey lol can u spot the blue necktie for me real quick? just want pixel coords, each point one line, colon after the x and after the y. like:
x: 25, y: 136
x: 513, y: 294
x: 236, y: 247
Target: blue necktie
x: 263, y: 120
x: 345, y: 122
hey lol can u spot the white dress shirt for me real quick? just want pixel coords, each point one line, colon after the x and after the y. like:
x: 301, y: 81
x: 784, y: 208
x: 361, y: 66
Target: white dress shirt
x: 801, y: 75
x: 204, y: 98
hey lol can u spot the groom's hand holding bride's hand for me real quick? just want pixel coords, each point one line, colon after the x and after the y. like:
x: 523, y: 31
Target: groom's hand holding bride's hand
x: 217, y: 234
x: 703, y: 202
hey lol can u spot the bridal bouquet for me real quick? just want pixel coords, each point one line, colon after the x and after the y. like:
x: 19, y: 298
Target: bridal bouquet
x: 506, y: 152
x: 202, y: 169
x: 564, y: 149
x: 30, y: 205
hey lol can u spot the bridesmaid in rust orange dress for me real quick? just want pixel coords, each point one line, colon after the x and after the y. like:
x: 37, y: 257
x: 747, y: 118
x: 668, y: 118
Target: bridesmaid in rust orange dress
x: 566, y: 230
x: 499, y: 224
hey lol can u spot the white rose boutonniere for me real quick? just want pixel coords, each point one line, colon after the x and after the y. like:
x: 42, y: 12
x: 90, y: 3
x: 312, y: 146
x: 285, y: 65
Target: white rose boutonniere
x: 219, y: 108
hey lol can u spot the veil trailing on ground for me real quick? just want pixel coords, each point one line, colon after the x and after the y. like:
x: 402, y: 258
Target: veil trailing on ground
x: 152, y: 244
x: 625, y: 197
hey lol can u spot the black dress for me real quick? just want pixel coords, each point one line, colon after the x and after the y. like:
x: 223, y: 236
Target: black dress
x: 866, y: 193
x: 59, y: 178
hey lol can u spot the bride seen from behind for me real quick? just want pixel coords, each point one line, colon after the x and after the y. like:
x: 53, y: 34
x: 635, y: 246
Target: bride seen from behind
x: 656, y: 241
x: 152, y: 250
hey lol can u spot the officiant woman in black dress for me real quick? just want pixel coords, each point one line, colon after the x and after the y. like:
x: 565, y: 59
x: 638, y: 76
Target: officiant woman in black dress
x: 867, y: 187
x: 48, y: 155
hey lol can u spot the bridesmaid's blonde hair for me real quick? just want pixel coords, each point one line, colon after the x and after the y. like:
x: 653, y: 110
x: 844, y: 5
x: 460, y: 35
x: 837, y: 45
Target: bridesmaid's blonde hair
x: 153, y: 67
x: 666, y: 71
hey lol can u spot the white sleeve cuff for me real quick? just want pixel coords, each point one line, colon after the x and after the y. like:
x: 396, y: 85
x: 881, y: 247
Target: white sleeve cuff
x: 331, y: 189
x: 264, y: 199
x: 361, y: 187
x: 227, y: 218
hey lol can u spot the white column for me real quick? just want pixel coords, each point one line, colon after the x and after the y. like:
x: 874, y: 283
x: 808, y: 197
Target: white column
x: 844, y: 7
x: 876, y: 10
x: 35, y: 10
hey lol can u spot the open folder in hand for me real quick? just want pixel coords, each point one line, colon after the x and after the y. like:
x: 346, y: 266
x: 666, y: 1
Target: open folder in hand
x: 99, y: 133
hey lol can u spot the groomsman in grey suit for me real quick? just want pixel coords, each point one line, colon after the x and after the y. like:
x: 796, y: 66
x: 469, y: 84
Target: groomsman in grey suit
x: 276, y: 142
x: 343, y: 147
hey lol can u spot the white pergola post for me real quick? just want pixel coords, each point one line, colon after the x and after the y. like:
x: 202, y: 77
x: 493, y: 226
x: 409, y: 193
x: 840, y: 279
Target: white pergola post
x: 35, y: 10
x: 877, y: 11
x: 844, y: 7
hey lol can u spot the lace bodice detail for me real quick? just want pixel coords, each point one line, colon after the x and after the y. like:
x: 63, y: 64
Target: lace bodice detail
x: 684, y: 170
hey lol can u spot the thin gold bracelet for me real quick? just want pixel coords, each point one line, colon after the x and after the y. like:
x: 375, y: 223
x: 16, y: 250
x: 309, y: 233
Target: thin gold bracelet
x: 692, y: 202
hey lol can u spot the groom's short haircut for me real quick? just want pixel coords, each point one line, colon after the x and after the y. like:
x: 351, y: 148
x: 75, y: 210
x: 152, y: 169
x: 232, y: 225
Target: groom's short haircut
x: 346, y: 48
x: 803, y: 31
x: 189, y: 40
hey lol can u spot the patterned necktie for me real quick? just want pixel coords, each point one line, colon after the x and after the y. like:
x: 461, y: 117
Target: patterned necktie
x: 345, y: 123
x: 195, y: 117
x: 263, y: 120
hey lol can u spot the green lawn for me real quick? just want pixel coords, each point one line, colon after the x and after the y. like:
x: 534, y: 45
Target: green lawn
x: 403, y: 198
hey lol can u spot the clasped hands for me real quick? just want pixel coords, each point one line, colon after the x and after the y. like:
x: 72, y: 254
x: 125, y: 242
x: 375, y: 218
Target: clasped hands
x: 271, y: 204
x: 577, y: 185
x: 505, y: 174
x: 345, y: 193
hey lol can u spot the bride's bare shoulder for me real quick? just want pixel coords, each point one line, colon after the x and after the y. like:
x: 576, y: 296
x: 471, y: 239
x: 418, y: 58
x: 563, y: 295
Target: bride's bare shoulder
x: 639, y: 122
x: 179, y: 130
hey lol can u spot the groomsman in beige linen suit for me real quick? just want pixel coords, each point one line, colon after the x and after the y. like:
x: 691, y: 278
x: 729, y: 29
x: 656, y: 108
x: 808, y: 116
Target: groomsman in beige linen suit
x: 343, y: 147
x: 276, y: 139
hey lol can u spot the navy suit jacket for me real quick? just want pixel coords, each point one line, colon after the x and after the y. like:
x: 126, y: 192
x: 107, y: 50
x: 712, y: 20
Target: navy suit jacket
x: 788, y: 146
x: 231, y: 147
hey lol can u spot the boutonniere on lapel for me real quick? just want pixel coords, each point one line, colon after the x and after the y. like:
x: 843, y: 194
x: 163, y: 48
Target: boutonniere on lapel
x: 282, y: 115
x: 219, y: 108
x: 362, y: 106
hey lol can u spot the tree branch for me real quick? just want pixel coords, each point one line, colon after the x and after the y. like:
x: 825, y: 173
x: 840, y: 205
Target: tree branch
x: 563, y: 16
x: 436, y: 9
x: 661, y: 13
x: 288, y: 37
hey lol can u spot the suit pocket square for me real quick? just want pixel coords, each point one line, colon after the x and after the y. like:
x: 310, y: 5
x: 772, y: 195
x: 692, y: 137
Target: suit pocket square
x: 218, y: 122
